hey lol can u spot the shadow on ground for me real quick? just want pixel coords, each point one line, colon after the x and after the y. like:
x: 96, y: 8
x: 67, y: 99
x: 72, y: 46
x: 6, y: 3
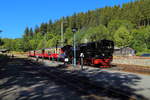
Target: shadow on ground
x: 21, y: 79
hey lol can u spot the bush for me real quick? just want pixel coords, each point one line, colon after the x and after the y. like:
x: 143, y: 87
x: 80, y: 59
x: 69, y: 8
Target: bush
x: 143, y: 52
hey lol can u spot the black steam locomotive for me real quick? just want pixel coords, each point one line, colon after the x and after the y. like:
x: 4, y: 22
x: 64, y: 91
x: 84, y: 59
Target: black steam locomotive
x: 99, y: 53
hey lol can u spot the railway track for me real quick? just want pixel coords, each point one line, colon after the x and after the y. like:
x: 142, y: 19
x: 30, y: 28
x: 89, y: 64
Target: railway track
x: 83, y: 85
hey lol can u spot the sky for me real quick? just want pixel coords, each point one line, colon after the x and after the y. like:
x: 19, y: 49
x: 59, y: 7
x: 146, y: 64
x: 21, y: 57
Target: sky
x: 16, y: 15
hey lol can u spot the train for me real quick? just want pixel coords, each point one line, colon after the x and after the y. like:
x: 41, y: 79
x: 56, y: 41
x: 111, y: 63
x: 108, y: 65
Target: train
x: 98, y: 53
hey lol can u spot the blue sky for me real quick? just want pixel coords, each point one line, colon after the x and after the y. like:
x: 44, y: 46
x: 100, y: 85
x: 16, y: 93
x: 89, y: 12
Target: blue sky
x: 15, y: 15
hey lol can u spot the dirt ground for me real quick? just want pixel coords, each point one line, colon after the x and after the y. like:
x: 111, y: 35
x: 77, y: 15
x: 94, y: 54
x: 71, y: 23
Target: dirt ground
x: 133, y: 68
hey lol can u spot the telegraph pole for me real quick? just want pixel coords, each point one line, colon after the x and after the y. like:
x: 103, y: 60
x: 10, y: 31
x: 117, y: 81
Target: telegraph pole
x: 74, y: 30
x: 62, y: 34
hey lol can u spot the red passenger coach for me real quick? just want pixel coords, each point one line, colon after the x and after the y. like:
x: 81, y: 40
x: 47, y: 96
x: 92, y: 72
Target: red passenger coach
x: 31, y: 53
x: 51, y: 53
x: 47, y: 53
x: 39, y: 53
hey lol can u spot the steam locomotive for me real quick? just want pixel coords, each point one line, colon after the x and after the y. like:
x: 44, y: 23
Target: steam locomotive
x: 99, y: 53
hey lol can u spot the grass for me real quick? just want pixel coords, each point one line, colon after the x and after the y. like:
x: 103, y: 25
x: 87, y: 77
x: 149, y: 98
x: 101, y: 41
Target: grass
x: 143, y: 52
x: 18, y: 53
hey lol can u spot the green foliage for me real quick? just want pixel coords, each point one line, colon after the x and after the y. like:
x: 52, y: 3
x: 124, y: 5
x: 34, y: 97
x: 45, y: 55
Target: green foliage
x: 53, y: 42
x: 141, y: 40
x: 96, y: 33
x: 40, y: 44
x: 1, y: 42
x: 114, y: 25
x: 123, y: 37
x: 68, y: 36
x: 79, y: 36
x: 143, y: 52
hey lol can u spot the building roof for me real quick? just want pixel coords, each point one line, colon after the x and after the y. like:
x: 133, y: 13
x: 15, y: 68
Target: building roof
x: 3, y: 50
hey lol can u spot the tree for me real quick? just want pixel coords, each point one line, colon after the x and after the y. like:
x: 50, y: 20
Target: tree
x: 37, y: 39
x: 97, y: 33
x: 26, y: 32
x: 31, y: 32
x: 141, y: 40
x: 68, y: 35
x: 37, y: 29
x: 1, y: 42
x: 26, y: 46
x: 49, y: 36
x: 114, y: 25
x: 40, y: 44
x: 50, y: 26
x: 53, y: 42
x: 123, y: 37
x: 43, y: 28
x: 138, y: 43
x: 147, y: 37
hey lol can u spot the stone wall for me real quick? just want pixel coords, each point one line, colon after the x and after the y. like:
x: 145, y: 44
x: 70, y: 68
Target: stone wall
x: 132, y: 61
